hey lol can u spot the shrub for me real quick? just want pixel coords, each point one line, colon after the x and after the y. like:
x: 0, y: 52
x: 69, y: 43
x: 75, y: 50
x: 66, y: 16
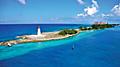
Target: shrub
x: 67, y: 31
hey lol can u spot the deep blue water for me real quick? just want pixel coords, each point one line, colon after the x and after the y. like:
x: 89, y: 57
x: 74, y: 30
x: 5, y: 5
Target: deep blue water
x: 8, y: 32
x: 92, y: 49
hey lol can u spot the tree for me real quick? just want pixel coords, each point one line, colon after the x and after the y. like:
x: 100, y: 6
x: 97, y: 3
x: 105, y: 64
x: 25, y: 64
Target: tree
x: 67, y: 31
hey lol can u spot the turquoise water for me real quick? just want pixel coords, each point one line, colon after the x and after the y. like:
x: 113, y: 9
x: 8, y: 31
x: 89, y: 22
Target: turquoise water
x: 20, y: 49
x: 92, y: 49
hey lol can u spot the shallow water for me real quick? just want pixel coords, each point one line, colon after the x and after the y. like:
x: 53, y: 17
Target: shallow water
x: 92, y: 49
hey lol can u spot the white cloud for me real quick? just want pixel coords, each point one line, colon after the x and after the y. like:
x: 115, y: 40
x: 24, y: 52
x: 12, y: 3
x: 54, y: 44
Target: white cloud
x: 116, y: 9
x: 81, y: 2
x: 95, y: 3
x: 91, y: 10
x: 107, y: 15
x: 22, y: 1
x: 81, y: 14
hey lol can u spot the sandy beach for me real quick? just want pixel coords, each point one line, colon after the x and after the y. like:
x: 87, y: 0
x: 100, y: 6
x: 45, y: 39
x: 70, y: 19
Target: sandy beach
x: 45, y: 36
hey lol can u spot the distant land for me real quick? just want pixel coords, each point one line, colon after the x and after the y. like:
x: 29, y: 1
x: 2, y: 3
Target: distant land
x: 46, y: 36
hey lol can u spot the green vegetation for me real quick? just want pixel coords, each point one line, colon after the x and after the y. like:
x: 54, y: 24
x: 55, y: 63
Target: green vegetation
x: 101, y: 26
x: 85, y: 28
x: 97, y: 26
x: 92, y: 27
x: 67, y: 31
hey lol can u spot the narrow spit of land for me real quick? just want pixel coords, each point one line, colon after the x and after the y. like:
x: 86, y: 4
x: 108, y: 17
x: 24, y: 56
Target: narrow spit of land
x: 46, y: 36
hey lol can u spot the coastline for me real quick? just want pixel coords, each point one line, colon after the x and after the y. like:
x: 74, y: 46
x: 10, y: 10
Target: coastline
x: 48, y: 36
x: 61, y: 34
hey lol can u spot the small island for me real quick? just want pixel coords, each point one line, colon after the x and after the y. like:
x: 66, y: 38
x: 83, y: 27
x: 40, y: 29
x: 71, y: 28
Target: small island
x: 46, y: 36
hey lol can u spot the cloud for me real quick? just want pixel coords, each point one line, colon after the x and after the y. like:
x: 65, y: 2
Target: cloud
x: 93, y: 9
x: 22, y: 1
x: 106, y: 15
x: 116, y: 9
x: 81, y: 14
x: 81, y: 2
x: 90, y: 10
x: 95, y: 3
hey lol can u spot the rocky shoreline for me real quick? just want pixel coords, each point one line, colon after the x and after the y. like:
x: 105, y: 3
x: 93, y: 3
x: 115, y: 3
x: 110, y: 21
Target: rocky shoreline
x: 35, y: 38
x: 46, y: 36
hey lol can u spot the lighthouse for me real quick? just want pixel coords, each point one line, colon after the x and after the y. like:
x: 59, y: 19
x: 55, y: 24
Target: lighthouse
x: 39, y: 31
x: 39, y: 34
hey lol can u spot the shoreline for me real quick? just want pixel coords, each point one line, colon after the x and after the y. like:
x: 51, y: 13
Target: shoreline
x: 56, y: 35
x: 35, y: 38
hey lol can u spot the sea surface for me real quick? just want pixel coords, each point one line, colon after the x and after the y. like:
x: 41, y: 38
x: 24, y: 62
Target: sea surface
x: 99, y: 48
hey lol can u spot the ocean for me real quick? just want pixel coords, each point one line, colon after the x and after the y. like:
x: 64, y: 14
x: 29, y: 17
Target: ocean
x: 99, y: 48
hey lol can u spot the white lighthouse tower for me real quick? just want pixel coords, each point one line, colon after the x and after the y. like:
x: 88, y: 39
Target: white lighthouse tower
x: 39, y: 31
x: 39, y: 34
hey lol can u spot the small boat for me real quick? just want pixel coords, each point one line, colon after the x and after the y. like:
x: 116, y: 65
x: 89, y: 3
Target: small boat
x: 73, y: 47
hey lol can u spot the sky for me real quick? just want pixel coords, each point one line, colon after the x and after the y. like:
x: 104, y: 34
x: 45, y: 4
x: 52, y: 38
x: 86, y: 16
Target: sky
x: 59, y: 11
